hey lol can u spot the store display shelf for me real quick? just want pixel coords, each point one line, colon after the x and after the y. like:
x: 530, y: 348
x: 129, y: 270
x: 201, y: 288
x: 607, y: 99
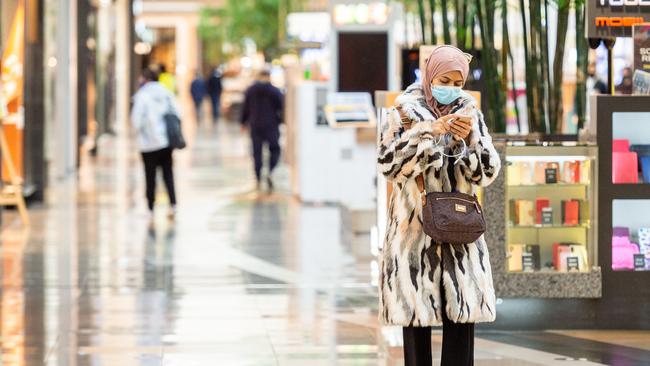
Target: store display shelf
x: 630, y: 191
x: 554, y: 185
x: 552, y: 272
x: 581, y: 226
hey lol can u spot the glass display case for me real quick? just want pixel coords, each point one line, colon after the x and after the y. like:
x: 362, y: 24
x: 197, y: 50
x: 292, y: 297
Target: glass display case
x: 550, y: 208
x: 630, y: 239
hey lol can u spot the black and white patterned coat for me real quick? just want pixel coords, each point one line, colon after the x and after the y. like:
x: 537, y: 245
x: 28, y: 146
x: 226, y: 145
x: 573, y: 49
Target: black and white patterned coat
x: 413, y: 268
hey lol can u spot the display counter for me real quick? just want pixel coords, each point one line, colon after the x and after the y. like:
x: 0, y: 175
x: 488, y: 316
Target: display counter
x: 330, y: 164
x: 542, y: 222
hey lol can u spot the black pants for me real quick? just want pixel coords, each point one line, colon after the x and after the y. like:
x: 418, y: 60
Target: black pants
x: 197, y: 110
x: 215, y: 100
x: 152, y: 160
x: 271, y: 137
x: 457, y: 343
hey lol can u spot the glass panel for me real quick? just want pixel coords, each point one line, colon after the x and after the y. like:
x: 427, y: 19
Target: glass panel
x: 631, y: 235
x: 548, y: 212
x: 631, y: 147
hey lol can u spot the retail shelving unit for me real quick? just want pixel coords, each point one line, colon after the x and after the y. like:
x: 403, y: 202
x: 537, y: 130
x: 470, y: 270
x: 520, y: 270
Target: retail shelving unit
x: 527, y: 185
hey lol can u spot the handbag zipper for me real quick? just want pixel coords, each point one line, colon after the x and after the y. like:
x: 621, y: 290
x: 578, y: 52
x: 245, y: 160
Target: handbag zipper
x: 460, y: 199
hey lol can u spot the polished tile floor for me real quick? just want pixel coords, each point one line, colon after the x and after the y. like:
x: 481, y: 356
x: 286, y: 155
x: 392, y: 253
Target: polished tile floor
x: 240, y: 278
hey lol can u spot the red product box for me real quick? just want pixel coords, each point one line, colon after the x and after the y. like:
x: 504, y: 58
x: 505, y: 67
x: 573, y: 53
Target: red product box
x: 540, y: 204
x: 571, y: 212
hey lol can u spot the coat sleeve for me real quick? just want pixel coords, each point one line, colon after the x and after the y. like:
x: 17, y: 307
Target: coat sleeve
x: 481, y: 163
x: 404, y: 154
x: 278, y: 98
x: 138, y: 112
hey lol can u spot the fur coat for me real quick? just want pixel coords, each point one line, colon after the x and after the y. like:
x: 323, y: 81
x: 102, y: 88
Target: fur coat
x: 414, y: 270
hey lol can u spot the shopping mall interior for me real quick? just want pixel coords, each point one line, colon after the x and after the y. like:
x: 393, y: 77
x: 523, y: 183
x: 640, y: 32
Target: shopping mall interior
x: 286, y: 225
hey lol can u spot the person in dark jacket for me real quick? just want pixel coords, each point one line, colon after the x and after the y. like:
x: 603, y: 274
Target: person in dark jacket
x: 198, y: 89
x: 261, y: 116
x: 215, y: 89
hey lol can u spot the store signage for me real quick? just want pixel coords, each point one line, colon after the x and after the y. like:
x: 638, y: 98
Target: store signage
x: 527, y: 263
x: 573, y: 264
x: 547, y: 216
x: 373, y: 13
x: 639, y: 262
x: 615, y: 18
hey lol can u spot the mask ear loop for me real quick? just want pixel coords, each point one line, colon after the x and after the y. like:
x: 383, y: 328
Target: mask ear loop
x: 458, y: 156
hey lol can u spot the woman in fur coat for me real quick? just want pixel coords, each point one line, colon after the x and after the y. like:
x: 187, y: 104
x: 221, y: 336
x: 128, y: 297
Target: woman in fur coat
x: 425, y: 283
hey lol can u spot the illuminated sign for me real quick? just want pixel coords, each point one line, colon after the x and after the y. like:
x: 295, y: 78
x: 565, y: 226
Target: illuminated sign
x: 617, y: 21
x: 360, y: 14
x: 613, y: 3
x: 615, y: 18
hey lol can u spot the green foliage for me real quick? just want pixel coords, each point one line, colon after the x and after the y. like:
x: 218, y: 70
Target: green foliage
x: 238, y: 20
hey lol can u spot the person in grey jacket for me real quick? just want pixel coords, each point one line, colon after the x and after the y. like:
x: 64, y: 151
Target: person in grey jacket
x: 150, y: 104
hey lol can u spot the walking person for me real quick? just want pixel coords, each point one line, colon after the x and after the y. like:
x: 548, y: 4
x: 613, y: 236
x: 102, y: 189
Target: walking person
x: 261, y: 117
x: 436, y: 131
x: 198, y: 90
x: 214, y: 90
x: 150, y: 104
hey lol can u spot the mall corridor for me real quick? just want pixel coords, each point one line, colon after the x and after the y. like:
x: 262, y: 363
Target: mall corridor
x: 239, y: 279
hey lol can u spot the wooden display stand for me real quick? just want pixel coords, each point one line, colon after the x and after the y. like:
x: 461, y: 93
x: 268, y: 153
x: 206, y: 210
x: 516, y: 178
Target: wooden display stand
x: 12, y: 193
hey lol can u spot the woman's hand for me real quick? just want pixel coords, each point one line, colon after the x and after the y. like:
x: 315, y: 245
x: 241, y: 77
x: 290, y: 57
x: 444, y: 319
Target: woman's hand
x: 441, y: 126
x: 461, y: 126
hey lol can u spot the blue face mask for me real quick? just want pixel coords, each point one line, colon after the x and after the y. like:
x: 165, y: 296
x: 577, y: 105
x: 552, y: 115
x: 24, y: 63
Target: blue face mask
x: 445, y: 94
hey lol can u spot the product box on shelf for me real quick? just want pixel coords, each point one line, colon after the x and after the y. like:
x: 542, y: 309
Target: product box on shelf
x: 571, y: 212
x: 571, y: 172
x: 540, y: 204
x: 570, y: 257
x: 644, y: 244
x: 623, y: 252
x: 514, y: 174
x: 533, y: 251
x: 522, y: 212
x: 547, y: 216
x: 552, y: 173
x: 523, y: 257
x: 515, y: 255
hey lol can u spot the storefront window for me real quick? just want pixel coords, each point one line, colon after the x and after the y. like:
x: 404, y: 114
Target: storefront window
x: 631, y: 235
x: 631, y: 147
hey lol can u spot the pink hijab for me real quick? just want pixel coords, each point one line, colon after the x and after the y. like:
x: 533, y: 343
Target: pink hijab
x: 442, y: 60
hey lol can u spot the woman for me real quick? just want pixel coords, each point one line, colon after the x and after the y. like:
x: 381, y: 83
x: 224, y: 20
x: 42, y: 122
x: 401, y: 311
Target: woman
x: 424, y: 283
x: 150, y: 104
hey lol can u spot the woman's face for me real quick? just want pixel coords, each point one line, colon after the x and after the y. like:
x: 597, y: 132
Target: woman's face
x: 452, y: 78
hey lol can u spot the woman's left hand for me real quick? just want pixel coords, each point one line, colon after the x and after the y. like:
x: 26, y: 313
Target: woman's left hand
x: 461, y: 127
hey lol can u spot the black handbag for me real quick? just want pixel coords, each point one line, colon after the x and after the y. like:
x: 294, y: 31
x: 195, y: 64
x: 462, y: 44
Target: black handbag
x: 451, y: 217
x: 174, y: 131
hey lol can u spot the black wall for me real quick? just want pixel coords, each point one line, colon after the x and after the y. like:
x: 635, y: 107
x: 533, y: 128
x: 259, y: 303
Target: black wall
x: 363, y: 62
